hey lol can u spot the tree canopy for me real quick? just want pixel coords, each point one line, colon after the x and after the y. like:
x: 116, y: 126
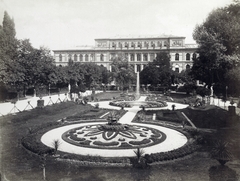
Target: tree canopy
x: 219, y: 46
x: 122, y: 72
x: 157, y: 72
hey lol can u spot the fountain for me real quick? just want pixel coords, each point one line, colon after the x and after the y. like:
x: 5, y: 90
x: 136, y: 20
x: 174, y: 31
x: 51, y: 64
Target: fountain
x: 137, y: 102
x: 137, y: 87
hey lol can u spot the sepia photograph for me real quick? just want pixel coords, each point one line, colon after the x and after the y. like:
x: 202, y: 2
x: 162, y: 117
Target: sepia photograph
x: 120, y: 90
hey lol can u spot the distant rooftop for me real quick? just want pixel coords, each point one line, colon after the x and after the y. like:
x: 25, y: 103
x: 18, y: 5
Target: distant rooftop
x: 78, y: 47
x: 141, y: 36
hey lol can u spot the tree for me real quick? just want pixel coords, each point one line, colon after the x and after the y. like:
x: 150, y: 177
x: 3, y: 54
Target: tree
x: 38, y: 66
x: 105, y: 75
x: 92, y: 75
x: 23, y: 66
x: 157, y: 72
x: 233, y: 78
x: 182, y: 77
x: 218, y: 38
x: 6, y: 45
x: 10, y: 71
x: 8, y: 42
x: 80, y: 76
x: 122, y: 72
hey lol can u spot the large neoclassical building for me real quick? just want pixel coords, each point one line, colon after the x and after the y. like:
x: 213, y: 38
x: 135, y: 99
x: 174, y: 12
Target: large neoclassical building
x: 139, y: 51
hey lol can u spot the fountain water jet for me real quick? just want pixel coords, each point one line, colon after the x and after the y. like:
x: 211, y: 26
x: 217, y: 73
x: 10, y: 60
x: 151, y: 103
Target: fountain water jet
x: 138, y: 87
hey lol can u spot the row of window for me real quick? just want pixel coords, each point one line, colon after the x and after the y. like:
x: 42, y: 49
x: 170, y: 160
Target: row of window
x: 132, y: 56
x: 177, y: 69
x: 138, y: 68
x: 139, y: 44
x: 145, y: 57
x: 86, y: 57
x: 194, y: 56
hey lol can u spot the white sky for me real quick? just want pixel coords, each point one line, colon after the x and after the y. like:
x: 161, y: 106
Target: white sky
x: 67, y: 23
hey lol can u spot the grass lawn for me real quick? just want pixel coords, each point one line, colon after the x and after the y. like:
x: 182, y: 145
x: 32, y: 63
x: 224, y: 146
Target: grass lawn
x: 19, y: 164
x: 108, y: 95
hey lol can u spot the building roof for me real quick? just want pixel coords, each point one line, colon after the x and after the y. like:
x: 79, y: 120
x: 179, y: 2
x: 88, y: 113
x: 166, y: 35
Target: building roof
x: 81, y: 47
x: 124, y: 37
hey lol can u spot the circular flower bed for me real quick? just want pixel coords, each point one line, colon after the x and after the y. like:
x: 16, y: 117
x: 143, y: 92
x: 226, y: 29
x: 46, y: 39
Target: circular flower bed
x: 141, y: 104
x: 113, y: 136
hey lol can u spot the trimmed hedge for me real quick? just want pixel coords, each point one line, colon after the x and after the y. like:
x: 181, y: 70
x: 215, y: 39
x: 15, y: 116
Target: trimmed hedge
x: 173, y: 154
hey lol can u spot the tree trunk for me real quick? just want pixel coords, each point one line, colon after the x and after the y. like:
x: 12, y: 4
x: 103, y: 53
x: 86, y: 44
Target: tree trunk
x: 44, y: 173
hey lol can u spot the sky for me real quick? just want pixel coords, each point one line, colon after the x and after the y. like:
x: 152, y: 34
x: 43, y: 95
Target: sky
x: 59, y: 24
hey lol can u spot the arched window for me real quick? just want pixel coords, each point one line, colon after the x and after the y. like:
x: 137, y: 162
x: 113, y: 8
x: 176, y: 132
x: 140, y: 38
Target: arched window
x: 138, y: 68
x: 188, y: 56
x: 139, y: 44
x: 60, y: 57
x: 132, y: 57
x: 113, y: 44
x: 153, y: 44
x: 146, y: 44
x: 159, y: 44
x: 152, y: 57
x: 177, y: 69
x: 176, y: 56
x: 145, y: 57
x: 81, y: 57
x: 91, y: 57
x: 194, y: 56
x: 138, y: 57
x: 132, y: 44
x: 120, y: 44
x: 187, y: 67
x: 86, y: 57
x: 165, y: 43
x: 75, y: 57
x: 126, y: 44
x: 101, y: 57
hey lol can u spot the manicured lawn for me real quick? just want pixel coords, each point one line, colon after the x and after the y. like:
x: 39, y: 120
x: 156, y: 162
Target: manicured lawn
x: 19, y: 164
x: 108, y: 95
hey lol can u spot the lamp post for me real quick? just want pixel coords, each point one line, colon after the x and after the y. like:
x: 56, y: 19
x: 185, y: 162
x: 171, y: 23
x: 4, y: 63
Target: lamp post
x: 226, y: 91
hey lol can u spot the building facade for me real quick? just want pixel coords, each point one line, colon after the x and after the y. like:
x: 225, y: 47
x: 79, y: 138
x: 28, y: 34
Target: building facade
x: 139, y: 51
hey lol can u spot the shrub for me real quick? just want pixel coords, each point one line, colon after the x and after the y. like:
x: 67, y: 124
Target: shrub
x: 220, y: 152
x: 202, y: 91
x: 97, y: 105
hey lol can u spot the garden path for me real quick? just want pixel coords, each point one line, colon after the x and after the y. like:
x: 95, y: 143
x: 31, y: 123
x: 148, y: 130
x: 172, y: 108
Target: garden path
x: 128, y: 117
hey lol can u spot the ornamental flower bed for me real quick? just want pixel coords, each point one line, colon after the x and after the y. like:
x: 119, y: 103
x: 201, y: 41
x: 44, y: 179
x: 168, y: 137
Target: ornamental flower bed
x: 119, y: 104
x: 151, y: 104
x: 144, y: 104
